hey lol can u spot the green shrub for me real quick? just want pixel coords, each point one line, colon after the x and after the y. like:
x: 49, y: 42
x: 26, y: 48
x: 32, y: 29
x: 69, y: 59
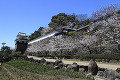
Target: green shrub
x: 17, y: 53
x: 118, y: 11
x: 84, y: 33
x: 73, y: 32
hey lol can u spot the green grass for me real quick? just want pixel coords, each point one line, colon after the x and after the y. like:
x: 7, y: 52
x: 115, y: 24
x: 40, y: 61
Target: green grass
x: 73, y: 32
x: 9, y: 72
x: 37, y: 68
x: 31, y: 67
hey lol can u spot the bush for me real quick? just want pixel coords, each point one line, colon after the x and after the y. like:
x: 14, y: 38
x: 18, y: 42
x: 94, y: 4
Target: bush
x: 73, y: 32
x: 118, y: 11
x: 17, y: 54
x: 84, y: 33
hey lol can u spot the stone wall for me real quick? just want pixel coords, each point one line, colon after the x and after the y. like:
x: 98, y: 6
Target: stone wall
x: 54, y: 43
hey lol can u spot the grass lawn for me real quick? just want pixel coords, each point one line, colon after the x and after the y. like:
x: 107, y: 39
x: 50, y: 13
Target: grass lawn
x: 25, y: 70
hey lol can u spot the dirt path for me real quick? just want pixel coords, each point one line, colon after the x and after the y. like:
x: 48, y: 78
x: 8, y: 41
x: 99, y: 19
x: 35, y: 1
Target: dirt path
x: 102, y: 65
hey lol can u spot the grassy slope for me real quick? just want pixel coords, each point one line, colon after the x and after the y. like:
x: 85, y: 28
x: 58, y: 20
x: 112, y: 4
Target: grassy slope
x: 11, y: 73
x: 24, y: 70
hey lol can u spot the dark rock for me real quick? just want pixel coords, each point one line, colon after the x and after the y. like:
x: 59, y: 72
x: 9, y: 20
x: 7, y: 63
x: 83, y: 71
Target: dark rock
x: 57, y: 62
x: 65, y: 65
x: 110, y: 74
x: 69, y: 67
x: 81, y: 69
x: 75, y: 67
x: 31, y: 59
x: 52, y: 63
x: 105, y: 73
x: 117, y: 75
x: 81, y: 66
x: 56, y: 67
x: 100, y: 73
x: 93, y: 67
x: 35, y: 60
x: 85, y: 68
x: 39, y: 61
x: 101, y: 69
x: 42, y: 60
x: 118, y: 70
x: 26, y: 58
x: 47, y: 63
x: 61, y: 65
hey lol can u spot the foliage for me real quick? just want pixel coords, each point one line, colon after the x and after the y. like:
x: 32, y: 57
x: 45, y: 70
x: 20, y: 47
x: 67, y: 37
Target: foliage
x: 1, y: 56
x: 73, y: 32
x: 63, y: 19
x: 118, y: 11
x: 5, y: 53
x: 72, y: 20
x: 6, y: 49
x: 36, y: 34
x: 84, y: 33
x: 104, y: 12
x: 17, y: 53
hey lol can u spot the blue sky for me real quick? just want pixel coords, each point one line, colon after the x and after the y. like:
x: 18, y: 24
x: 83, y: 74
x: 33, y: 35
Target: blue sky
x: 28, y: 15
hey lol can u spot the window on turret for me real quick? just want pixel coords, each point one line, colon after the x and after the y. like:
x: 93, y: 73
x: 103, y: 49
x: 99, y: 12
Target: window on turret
x: 17, y: 41
x: 21, y: 38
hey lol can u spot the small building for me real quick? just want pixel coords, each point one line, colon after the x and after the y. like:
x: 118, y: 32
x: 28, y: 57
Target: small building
x: 21, y: 42
x: 65, y: 31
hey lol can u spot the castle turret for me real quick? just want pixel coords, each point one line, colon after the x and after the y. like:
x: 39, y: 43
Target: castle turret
x: 21, y: 42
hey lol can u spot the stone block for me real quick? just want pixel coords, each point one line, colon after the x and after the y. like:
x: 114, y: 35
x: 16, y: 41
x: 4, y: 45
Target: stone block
x: 85, y: 68
x: 57, y: 62
x: 100, y: 73
x: 42, y: 61
x: 93, y: 67
x: 56, y: 67
x: 61, y: 65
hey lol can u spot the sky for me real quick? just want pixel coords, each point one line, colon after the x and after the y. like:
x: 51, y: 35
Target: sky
x: 28, y: 15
